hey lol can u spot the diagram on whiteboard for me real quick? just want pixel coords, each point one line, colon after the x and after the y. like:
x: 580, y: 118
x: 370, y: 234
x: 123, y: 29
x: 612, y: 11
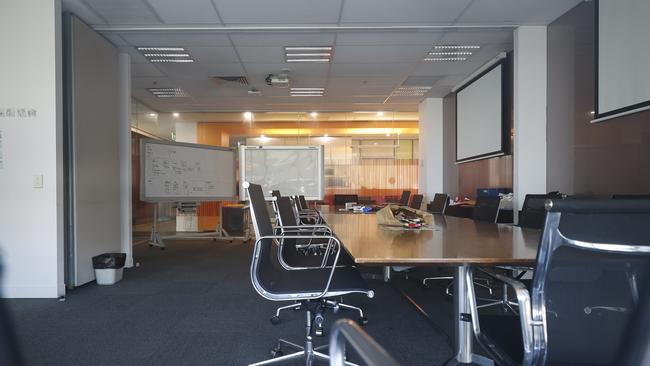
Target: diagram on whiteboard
x: 187, y: 172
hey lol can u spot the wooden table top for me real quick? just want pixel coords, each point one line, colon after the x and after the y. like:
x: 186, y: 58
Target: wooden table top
x: 452, y: 241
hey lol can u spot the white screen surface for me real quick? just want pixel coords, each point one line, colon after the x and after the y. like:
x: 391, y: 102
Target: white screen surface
x: 186, y: 172
x: 293, y: 170
x: 479, y: 117
x: 623, y: 56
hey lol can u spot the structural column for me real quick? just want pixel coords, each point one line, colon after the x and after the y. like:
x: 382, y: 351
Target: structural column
x: 431, y: 147
x: 124, y: 102
x: 530, y: 58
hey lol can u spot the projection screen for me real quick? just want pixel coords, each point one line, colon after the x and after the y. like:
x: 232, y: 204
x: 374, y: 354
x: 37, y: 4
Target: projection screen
x: 479, y: 116
x: 622, y: 57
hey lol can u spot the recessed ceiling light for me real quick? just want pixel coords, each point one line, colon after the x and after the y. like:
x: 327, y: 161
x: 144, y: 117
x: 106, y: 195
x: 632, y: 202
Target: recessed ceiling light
x: 248, y: 116
x: 171, y: 60
x: 308, y: 60
x: 307, y: 89
x: 450, y: 53
x: 156, y: 49
x: 451, y: 46
x: 380, y: 113
x: 168, y: 92
x: 175, y: 114
x: 326, y: 135
x: 306, y: 95
x: 308, y: 48
x: 388, y: 135
x: 445, y: 58
x: 314, y: 54
x: 313, y: 114
x: 152, y: 115
x: 166, y: 54
x: 307, y: 92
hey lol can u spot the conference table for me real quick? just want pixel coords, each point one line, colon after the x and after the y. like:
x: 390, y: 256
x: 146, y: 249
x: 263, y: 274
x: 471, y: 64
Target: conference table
x: 452, y: 241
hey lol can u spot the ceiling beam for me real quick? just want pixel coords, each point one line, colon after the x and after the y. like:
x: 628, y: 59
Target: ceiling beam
x: 318, y: 28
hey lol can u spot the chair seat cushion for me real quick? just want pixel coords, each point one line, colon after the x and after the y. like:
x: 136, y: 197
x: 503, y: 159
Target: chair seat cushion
x: 296, y: 258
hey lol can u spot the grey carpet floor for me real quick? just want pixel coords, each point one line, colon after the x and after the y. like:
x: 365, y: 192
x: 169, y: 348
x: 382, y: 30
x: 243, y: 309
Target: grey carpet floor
x: 193, y: 304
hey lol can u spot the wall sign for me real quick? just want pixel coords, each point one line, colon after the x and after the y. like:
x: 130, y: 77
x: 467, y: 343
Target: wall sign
x: 9, y: 112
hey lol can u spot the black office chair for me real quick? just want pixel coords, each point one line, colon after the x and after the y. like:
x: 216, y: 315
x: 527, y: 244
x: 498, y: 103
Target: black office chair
x: 276, y: 193
x: 404, y: 201
x: 342, y: 199
x: 439, y: 203
x: 10, y: 353
x: 631, y: 196
x: 315, y: 289
x: 486, y: 208
x: 416, y: 201
x: 533, y: 212
x: 368, y: 349
x: 592, y: 261
x: 303, y: 213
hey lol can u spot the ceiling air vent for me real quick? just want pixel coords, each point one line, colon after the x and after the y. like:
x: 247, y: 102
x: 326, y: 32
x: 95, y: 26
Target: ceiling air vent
x: 241, y: 80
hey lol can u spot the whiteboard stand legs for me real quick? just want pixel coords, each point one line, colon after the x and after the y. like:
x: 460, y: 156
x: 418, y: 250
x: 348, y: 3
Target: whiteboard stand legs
x: 155, y: 240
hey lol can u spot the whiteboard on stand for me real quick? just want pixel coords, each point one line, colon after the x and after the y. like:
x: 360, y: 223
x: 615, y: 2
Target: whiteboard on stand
x: 179, y: 172
x: 293, y: 170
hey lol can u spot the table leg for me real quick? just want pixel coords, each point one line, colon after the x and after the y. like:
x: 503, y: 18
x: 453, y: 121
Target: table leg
x: 462, y: 318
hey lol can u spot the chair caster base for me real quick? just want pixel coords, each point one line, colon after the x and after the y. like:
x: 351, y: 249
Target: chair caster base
x: 276, y: 352
x: 363, y: 320
x: 275, y: 319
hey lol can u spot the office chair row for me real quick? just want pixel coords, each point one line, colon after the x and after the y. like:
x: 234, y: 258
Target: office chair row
x: 588, y: 302
x: 406, y: 200
x: 287, y: 267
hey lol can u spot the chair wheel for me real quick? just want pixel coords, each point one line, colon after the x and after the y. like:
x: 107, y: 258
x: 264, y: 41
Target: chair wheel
x: 363, y: 320
x: 318, y: 331
x: 275, y: 319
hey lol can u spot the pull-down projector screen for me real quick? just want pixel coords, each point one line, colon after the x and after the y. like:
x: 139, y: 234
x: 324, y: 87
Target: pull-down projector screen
x: 622, y: 57
x: 480, y: 116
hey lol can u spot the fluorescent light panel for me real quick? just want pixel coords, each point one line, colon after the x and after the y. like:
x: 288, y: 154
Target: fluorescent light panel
x: 168, y: 92
x: 171, y: 60
x: 156, y: 49
x: 307, y: 89
x: 450, y: 53
x: 166, y: 54
x: 315, y: 54
x: 308, y: 60
x: 318, y: 48
x: 445, y: 58
x: 452, y: 46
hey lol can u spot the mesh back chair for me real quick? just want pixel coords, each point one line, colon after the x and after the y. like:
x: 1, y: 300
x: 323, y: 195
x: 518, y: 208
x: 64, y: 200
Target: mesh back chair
x: 342, y: 199
x: 631, y: 196
x: 439, y: 203
x: 592, y: 261
x: 10, y: 353
x: 416, y: 201
x: 315, y: 289
x: 404, y: 201
x: 486, y: 208
x: 533, y: 213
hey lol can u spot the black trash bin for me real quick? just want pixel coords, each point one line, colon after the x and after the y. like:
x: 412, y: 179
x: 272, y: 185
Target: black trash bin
x: 109, y: 267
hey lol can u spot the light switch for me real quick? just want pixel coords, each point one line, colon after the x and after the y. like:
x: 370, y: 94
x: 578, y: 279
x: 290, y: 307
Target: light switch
x: 37, y: 181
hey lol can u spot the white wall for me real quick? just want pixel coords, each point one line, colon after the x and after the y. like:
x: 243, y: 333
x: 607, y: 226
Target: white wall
x: 431, y: 147
x: 529, y: 175
x: 96, y: 149
x: 31, y: 219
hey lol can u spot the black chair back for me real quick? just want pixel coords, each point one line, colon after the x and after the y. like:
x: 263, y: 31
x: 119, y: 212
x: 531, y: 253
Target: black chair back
x: 533, y: 212
x: 439, y: 203
x: 486, y: 208
x: 342, y: 199
x: 593, y: 259
x: 10, y: 353
x: 631, y: 196
x: 416, y: 201
x: 285, y: 212
x: 404, y: 201
x: 303, y: 202
x: 276, y: 193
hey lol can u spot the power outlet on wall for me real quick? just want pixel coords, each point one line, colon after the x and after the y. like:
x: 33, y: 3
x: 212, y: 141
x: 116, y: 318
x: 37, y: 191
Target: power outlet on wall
x: 37, y: 181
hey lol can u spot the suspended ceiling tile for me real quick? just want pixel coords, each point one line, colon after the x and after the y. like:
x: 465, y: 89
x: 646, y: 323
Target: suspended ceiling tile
x: 278, y: 11
x: 185, y: 12
x: 181, y: 39
x: 124, y: 12
x: 403, y: 11
x: 516, y: 11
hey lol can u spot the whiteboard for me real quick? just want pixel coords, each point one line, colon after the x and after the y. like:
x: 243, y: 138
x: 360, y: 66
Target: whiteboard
x: 293, y: 170
x: 172, y: 171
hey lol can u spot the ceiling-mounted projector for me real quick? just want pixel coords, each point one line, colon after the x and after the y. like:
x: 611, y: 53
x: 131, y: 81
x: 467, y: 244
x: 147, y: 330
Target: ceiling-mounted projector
x: 280, y: 80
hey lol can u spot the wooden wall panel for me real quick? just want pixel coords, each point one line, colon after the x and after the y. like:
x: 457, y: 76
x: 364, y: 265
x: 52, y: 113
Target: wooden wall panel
x: 487, y: 173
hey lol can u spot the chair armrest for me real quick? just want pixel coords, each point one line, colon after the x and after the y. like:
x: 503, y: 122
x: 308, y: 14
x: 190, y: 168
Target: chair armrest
x: 366, y: 347
x: 525, y: 310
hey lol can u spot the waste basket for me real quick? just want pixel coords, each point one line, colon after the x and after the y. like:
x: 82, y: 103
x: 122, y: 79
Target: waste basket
x: 109, y: 267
